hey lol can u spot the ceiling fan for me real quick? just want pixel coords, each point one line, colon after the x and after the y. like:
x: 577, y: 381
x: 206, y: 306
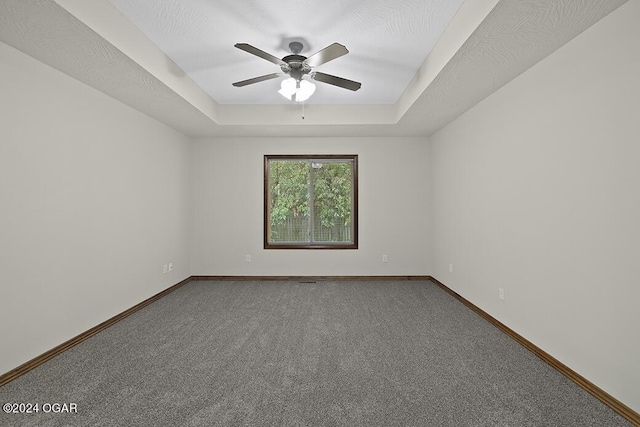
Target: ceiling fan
x: 297, y: 66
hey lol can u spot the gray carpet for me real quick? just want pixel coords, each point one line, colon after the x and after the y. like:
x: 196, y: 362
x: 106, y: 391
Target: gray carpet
x: 284, y: 353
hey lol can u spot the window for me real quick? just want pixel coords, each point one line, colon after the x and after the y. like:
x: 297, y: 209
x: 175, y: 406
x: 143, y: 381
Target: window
x: 311, y: 202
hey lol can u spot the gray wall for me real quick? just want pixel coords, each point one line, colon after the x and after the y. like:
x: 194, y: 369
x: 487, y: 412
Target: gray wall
x: 228, y: 210
x: 95, y: 199
x: 537, y: 190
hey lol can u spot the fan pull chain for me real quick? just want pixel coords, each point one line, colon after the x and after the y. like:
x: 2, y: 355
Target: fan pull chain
x: 302, y: 110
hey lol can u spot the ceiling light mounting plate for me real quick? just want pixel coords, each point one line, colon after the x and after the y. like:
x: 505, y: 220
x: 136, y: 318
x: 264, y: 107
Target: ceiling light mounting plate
x: 296, y: 47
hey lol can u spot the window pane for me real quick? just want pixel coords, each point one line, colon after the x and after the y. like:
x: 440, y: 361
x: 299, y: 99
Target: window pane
x: 332, y: 192
x: 289, y: 201
x: 311, y: 202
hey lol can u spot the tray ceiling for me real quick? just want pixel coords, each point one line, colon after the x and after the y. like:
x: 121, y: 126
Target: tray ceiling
x: 388, y: 41
x: 177, y: 62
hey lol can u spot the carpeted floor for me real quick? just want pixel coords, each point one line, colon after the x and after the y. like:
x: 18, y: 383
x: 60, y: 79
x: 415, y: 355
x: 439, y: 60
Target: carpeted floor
x: 284, y: 353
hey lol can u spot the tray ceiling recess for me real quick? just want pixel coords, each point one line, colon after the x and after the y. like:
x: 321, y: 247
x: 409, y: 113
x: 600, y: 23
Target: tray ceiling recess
x: 421, y: 63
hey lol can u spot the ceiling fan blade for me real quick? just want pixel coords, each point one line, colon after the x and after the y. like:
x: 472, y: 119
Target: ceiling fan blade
x: 329, y: 53
x: 257, y: 52
x: 257, y: 79
x: 336, y: 81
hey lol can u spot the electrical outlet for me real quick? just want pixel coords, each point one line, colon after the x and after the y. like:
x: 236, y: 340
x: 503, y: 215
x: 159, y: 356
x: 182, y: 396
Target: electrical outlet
x: 170, y: 268
x: 501, y: 293
x: 385, y: 258
x: 450, y: 268
x: 247, y: 258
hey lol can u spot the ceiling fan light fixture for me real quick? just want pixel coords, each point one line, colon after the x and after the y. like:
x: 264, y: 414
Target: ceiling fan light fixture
x: 288, y: 88
x: 305, y: 90
x: 296, y: 91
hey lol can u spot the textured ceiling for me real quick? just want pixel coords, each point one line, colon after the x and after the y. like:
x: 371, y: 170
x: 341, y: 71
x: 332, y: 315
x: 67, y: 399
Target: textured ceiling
x: 388, y: 41
x: 515, y: 36
x: 485, y: 45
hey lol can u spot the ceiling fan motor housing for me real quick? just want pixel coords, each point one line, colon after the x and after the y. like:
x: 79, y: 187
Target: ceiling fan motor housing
x: 295, y: 66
